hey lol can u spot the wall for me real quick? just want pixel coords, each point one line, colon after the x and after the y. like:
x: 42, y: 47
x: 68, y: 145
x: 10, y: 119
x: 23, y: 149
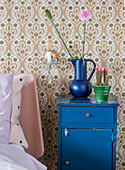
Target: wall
x: 24, y: 30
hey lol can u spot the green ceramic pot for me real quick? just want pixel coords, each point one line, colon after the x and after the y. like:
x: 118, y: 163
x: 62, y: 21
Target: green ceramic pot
x: 101, y: 93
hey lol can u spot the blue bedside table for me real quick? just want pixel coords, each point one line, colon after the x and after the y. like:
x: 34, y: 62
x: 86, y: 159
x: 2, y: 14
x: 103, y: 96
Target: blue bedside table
x: 87, y: 133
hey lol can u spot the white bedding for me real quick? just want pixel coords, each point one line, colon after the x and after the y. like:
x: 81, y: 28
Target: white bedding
x: 4, y: 165
x: 15, y: 158
x: 17, y: 146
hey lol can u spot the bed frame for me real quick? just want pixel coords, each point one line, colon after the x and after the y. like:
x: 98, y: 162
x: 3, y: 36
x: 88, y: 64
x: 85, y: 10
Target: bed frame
x: 30, y: 117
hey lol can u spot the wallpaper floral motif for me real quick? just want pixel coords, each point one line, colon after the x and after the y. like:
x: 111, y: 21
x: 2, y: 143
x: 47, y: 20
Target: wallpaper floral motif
x: 24, y: 31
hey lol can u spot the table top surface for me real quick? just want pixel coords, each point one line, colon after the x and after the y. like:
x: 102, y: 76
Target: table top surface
x: 90, y: 101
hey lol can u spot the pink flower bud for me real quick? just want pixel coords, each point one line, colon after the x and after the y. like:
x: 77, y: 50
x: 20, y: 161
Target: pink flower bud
x: 84, y: 15
x: 96, y: 68
x: 105, y: 69
x: 99, y: 69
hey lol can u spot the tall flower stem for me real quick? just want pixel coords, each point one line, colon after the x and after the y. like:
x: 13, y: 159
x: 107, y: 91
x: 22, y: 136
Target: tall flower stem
x: 50, y: 17
x: 84, y: 40
x: 61, y: 38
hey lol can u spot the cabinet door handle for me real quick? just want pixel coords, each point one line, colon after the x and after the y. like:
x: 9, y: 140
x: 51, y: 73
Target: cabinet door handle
x: 66, y: 132
x: 87, y: 115
x: 66, y: 162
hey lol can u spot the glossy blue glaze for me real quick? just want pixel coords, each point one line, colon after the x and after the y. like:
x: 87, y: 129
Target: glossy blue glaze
x: 91, y: 141
x: 81, y: 86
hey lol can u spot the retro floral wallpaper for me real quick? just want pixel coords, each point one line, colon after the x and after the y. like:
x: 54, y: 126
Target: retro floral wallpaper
x: 24, y: 31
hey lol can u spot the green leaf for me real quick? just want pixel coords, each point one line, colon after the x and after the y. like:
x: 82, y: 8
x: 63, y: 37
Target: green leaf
x: 78, y: 50
x: 76, y: 57
x: 48, y: 14
x: 83, y: 61
x: 87, y: 54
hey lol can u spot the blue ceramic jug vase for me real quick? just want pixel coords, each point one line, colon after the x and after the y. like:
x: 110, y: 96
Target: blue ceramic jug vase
x: 81, y: 87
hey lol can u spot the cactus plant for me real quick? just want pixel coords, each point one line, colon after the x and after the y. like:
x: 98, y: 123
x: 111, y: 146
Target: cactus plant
x: 102, y: 77
x: 101, y: 88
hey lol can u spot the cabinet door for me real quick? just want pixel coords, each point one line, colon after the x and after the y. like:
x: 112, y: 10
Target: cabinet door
x: 87, y: 149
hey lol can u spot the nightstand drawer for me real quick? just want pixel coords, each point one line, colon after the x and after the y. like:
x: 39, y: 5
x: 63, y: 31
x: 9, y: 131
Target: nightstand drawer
x: 87, y: 114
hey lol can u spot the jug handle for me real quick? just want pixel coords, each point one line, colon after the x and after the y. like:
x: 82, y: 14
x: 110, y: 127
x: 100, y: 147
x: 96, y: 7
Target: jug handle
x: 92, y: 70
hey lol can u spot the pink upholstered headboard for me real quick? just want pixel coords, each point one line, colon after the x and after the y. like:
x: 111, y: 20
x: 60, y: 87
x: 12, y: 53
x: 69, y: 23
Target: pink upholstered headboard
x: 30, y: 118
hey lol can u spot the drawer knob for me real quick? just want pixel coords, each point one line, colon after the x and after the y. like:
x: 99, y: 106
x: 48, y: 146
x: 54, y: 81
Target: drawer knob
x: 66, y: 162
x: 87, y: 115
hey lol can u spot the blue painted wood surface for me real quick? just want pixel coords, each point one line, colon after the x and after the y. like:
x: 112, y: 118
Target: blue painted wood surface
x: 91, y: 141
x: 87, y: 149
x: 96, y: 114
x: 63, y: 100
